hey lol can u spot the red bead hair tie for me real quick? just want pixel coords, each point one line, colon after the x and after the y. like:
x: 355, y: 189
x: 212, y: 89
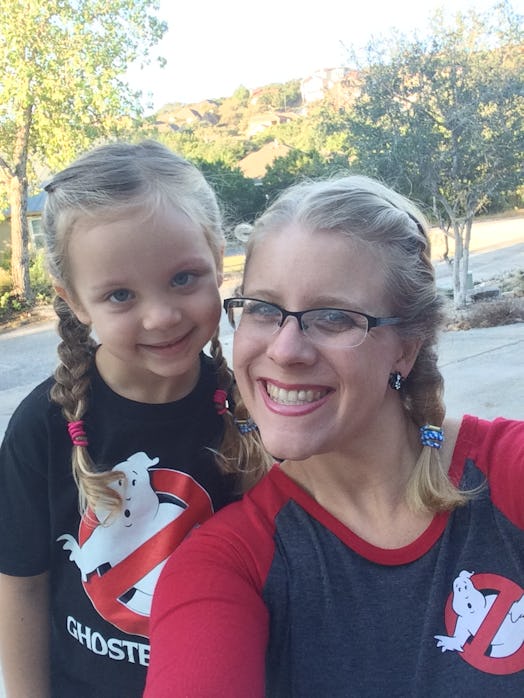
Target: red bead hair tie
x: 220, y: 401
x: 77, y: 433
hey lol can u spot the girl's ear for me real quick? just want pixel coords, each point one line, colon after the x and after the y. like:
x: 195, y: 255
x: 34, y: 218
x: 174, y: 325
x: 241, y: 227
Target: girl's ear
x: 74, y: 305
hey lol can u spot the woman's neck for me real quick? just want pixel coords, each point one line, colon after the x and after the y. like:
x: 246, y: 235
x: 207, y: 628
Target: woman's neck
x: 365, y: 486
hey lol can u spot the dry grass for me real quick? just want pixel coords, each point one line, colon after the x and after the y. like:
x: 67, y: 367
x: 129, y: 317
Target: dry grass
x: 506, y: 309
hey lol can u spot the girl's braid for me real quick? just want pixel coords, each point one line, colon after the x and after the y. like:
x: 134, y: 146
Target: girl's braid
x: 76, y: 352
x: 238, y: 453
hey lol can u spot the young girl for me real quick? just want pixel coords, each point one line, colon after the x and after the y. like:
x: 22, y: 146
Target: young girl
x: 108, y: 465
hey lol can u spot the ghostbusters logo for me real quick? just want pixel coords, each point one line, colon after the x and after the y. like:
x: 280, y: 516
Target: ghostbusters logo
x: 485, y: 621
x: 120, y: 561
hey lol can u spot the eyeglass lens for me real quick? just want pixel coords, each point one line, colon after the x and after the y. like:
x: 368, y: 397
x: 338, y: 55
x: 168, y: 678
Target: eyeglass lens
x: 329, y: 326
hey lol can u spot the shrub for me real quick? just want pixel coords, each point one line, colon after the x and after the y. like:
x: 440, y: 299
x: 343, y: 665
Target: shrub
x: 492, y: 313
x: 39, y: 277
x: 5, y: 280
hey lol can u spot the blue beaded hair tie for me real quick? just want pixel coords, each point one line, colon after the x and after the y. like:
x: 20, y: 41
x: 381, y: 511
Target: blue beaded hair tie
x: 431, y: 436
x: 244, y: 426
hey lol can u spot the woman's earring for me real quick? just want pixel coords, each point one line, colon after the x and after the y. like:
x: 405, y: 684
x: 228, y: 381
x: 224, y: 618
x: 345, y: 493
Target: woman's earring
x: 396, y: 380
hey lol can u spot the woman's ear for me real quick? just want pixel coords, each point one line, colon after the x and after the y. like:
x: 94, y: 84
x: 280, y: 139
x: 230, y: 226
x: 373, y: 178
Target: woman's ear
x: 73, y: 304
x: 410, y: 350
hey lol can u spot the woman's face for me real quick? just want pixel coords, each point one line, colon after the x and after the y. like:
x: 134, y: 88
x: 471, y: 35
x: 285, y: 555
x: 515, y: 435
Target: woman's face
x: 310, y: 398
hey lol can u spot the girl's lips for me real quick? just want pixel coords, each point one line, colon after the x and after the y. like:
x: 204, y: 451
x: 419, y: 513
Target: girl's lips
x: 166, y: 347
x: 293, y: 400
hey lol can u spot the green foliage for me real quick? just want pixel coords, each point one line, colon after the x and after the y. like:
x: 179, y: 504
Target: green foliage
x: 281, y: 95
x: 12, y: 304
x: 62, y: 64
x: 5, y: 280
x: 40, y: 279
x: 241, y: 95
x: 298, y: 166
x: 209, y: 145
x: 441, y: 118
x: 240, y: 196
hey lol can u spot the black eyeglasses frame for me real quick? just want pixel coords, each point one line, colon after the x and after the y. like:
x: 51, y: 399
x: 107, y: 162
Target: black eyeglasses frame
x: 371, y: 319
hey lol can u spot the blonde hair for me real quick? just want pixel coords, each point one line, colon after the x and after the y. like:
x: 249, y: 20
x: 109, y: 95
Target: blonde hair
x: 366, y: 210
x: 106, y: 183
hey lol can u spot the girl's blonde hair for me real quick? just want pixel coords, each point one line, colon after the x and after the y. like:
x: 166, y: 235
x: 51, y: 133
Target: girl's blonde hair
x: 394, y: 228
x: 107, y: 183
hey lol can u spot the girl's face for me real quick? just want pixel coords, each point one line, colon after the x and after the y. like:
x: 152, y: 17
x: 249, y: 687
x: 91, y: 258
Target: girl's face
x: 306, y: 398
x: 149, y: 286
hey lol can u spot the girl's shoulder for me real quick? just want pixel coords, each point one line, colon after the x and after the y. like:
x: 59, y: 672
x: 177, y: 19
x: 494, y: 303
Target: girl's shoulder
x: 35, y: 406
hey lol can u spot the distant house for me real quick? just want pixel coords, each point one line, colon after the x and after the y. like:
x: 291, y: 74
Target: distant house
x: 314, y: 87
x: 261, y: 122
x: 35, y: 206
x: 255, y: 164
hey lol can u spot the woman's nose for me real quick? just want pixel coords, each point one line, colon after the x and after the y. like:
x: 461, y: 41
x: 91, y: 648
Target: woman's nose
x: 289, y: 344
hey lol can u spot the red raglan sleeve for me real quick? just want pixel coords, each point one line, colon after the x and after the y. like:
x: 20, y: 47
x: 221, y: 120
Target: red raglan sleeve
x: 498, y: 449
x: 209, y: 623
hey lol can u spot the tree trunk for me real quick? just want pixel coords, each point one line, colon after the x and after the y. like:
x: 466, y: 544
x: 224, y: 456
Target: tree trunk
x: 18, y: 197
x: 20, y: 238
x: 459, y: 296
x: 465, y: 261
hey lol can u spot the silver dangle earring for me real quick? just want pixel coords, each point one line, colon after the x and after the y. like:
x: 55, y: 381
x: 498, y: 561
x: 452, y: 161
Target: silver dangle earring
x: 396, y: 380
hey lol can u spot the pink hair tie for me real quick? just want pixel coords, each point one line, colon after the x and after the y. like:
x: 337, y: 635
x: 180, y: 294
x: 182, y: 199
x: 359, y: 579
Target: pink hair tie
x: 77, y: 433
x: 220, y: 401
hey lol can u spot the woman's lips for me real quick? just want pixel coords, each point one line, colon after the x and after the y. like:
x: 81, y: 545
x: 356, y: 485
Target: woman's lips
x: 293, y: 400
x: 294, y: 396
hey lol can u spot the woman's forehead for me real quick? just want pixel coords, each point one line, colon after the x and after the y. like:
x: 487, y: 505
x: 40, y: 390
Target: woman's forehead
x: 313, y: 264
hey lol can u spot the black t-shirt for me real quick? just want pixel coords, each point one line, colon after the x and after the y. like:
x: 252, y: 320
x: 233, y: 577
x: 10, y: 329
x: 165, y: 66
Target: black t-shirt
x: 102, y: 577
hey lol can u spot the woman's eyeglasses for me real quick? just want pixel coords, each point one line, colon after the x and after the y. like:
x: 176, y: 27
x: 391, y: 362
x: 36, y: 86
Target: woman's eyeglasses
x: 334, y: 327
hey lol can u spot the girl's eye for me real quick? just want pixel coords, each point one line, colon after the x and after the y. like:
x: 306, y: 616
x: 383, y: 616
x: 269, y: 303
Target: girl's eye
x: 120, y: 296
x: 183, y: 278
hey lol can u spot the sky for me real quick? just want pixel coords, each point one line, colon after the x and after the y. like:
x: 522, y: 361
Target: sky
x: 212, y: 47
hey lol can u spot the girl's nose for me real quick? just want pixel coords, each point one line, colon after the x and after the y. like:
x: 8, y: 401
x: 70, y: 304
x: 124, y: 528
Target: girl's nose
x: 160, y: 315
x: 290, y: 345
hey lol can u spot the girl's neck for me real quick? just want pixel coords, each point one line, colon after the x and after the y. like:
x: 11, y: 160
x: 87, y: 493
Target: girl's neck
x: 145, y: 388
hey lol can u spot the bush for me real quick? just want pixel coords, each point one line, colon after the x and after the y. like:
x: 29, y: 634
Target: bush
x: 5, y: 280
x: 39, y: 277
x: 492, y: 313
x: 13, y: 305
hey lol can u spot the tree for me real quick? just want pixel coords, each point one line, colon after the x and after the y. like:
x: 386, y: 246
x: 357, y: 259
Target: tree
x: 441, y: 119
x: 298, y: 166
x: 241, y: 198
x: 61, y: 88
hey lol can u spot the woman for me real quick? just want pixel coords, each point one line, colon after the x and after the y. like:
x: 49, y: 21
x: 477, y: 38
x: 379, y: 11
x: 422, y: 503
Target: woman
x: 385, y: 552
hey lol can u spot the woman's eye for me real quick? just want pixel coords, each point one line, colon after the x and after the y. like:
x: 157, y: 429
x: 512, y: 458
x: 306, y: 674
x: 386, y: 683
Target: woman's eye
x: 120, y: 296
x: 183, y: 278
x: 334, y: 320
x: 261, y: 311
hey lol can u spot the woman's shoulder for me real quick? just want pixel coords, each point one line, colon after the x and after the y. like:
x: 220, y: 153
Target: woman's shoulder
x: 486, y: 434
